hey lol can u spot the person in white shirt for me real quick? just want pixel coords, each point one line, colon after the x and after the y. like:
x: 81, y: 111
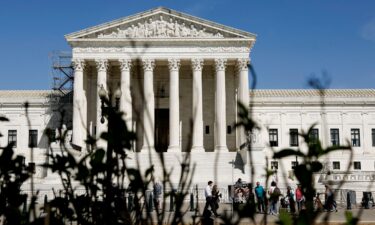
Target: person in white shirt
x: 209, y: 199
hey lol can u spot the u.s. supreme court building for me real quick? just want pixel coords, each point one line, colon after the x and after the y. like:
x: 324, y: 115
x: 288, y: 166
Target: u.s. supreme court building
x: 178, y: 79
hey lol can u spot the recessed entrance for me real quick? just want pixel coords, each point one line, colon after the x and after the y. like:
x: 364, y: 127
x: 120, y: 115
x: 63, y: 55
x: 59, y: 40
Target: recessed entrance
x: 161, y: 130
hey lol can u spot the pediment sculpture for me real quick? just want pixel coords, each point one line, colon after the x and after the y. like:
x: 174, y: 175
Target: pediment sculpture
x: 161, y: 28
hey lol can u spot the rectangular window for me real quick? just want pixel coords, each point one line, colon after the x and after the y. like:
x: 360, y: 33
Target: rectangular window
x: 357, y: 165
x: 207, y: 129
x: 294, y: 164
x: 273, y: 138
x: 373, y: 137
x: 12, y: 137
x: 33, y: 138
x: 314, y: 136
x: 293, y: 137
x: 274, y: 165
x: 335, y: 137
x: 336, y: 165
x: 355, y: 138
x: 229, y: 129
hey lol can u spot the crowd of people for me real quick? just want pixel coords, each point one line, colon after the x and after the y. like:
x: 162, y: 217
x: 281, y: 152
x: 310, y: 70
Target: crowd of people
x: 293, y: 199
x: 267, y: 200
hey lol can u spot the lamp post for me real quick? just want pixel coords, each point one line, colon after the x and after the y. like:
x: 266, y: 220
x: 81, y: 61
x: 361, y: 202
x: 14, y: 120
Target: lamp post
x: 110, y: 111
x: 103, y: 97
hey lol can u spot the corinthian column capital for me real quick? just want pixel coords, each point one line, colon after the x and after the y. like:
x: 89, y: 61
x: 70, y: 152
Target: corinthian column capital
x: 242, y: 64
x: 125, y: 64
x: 148, y: 64
x: 78, y: 64
x: 197, y: 64
x: 174, y: 64
x: 101, y: 64
x: 220, y: 64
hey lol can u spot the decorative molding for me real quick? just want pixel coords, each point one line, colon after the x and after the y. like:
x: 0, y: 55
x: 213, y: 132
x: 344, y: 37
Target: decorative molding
x: 148, y: 64
x: 161, y: 28
x: 197, y: 64
x: 101, y: 64
x: 220, y: 64
x: 78, y: 64
x: 174, y: 64
x: 125, y: 64
x: 242, y: 64
x: 225, y: 49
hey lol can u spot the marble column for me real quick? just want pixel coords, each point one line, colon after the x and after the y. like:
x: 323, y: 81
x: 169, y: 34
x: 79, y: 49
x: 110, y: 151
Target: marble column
x: 197, y: 142
x: 174, y: 106
x: 126, y: 98
x: 220, y: 106
x: 79, y: 111
x: 102, y: 67
x: 243, y: 93
x: 149, y: 104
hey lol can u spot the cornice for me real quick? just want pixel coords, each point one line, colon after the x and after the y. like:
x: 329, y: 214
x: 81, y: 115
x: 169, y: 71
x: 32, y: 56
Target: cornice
x: 159, y: 11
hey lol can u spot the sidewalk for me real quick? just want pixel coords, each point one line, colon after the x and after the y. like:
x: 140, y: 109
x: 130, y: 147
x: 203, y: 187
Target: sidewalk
x: 367, y: 217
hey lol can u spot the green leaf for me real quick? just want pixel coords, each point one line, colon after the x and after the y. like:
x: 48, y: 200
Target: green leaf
x: 285, y: 218
x: 287, y: 152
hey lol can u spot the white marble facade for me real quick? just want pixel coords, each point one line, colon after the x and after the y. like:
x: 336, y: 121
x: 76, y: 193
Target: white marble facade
x: 192, y: 72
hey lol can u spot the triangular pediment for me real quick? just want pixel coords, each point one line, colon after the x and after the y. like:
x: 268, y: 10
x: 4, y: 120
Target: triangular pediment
x: 160, y: 23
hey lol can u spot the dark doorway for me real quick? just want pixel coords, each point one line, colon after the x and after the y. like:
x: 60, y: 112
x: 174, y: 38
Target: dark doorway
x: 161, y: 129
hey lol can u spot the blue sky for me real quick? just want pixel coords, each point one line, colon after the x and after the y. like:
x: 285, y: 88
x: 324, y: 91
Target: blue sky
x: 296, y: 39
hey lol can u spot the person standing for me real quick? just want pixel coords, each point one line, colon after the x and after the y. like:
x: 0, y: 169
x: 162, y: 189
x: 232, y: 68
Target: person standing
x: 274, y: 193
x: 260, y: 195
x: 292, y: 203
x: 299, y: 197
x: 158, y: 190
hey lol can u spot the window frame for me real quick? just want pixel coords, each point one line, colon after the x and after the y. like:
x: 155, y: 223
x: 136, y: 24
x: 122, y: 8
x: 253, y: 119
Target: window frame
x: 33, y: 137
x: 314, y: 136
x: 355, y: 137
x: 357, y: 165
x: 332, y: 135
x: 12, y: 136
x: 373, y: 136
x: 273, y: 132
x: 274, y: 165
x: 336, y: 163
x: 293, y: 164
x: 293, y: 136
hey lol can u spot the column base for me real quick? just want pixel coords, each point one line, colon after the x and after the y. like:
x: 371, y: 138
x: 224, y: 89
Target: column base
x: 148, y: 148
x: 174, y: 149
x: 197, y: 149
x: 221, y: 148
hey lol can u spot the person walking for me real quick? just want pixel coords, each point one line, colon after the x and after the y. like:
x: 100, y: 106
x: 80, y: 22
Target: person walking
x: 209, y: 199
x: 260, y: 195
x: 216, y: 195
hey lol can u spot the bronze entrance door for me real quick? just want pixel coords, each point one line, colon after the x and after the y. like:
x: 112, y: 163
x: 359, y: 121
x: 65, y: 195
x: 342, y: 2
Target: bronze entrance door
x: 161, y: 130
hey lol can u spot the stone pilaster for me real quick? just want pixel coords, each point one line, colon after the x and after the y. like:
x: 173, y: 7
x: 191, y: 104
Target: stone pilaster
x: 102, y: 68
x: 220, y: 106
x: 243, y: 93
x: 79, y: 109
x: 197, y: 141
x: 149, y: 104
x: 126, y: 98
x: 174, y: 106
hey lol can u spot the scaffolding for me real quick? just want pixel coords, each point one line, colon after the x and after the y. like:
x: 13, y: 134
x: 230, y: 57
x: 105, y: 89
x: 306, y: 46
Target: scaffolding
x: 61, y: 97
x: 62, y: 71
